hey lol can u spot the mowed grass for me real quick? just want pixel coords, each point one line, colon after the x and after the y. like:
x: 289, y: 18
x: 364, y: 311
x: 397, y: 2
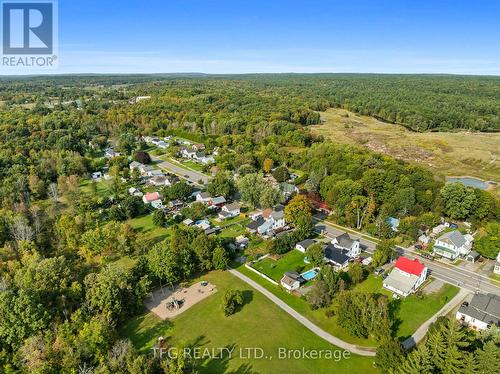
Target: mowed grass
x: 410, y: 312
x: 144, y: 224
x: 259, y: 324
x: 458, y: 154
x: 275, y: 268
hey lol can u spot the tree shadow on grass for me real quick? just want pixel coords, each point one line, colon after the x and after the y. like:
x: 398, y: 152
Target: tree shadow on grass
x: 220, y: 364
x: 145, y: 338
x: 394, y: 307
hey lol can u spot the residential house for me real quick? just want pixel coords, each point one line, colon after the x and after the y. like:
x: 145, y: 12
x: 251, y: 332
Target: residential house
x: 453, y: 244
x: 292, y: 280
x: 304, y: 244
x: 217, y: 201
x: 393, y: 222
x: 135, y: 192
x: 267, y: 221
x: 154, y: 173
x: 157, y: 204
x: 255, y: 224
x: 162, y: 144
x: 203, y: 197
x: 160, y: 180
x: 481, y: 312
x: 229, y: 211
x: 145, y: 169
x: 406, y: 276
x: 199, y: 147
x: 149, y: 197
x: 424, y: 239
x: 135, y: 165
x: 288, y: 189
x: 336, y: 257
x: 241, y: 241
x: 351, y: 246
x: 473, y: 256
x: 203, y: 224
x: 188, y: 153
x: 110, y: 153
x: 188, y: 222
x: 496, y: 270
x: 440, y: 228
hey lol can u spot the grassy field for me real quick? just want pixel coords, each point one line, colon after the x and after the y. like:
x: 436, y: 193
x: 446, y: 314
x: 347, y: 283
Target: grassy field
x: 274, y: 269
x: 456, y: 154
x: 258, y: 324
x: 410, y: 312
x: 144, y: 224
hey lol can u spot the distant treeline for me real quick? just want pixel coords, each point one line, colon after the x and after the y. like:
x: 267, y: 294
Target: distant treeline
x: 231, y: 102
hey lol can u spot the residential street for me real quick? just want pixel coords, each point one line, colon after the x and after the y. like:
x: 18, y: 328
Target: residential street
x: 188, y: 174
x: 460, y: 277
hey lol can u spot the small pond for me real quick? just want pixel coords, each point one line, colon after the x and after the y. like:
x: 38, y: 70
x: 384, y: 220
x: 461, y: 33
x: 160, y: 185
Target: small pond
x: 470, y: 182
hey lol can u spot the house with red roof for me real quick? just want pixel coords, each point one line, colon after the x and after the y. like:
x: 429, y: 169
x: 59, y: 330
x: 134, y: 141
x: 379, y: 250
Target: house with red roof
x: 406, y: 276
x: 150, y: 197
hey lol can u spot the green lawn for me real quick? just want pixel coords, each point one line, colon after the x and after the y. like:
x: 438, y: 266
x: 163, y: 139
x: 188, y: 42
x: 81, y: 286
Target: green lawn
x: 411, y: 311
x: 259, y: 324
x: 293, y: 260
x: 144, y: 224
x: 102, y: 187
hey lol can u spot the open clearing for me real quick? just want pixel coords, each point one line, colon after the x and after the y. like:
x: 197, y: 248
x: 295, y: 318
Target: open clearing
x: 187, y: 297
x: 259, y: 324
x: 447, y: 153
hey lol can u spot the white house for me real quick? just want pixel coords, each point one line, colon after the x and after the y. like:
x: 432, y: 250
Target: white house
x: 229, y: 211
x: 496, y: 270
x: 188, y: 153
x: 162, y: 144
x: 304, y: 244
x: 203, y: 197
x: 291, y: 280
x: 160, y: 180
x: 453, y: 244
x: 481, y: 312
x: 150, y: 197
x: 406, y: 276
x: 135, y: 165
x: 336, y: 257
x: 110, y: 153
x: 424, y: 239
x: 135, y: 192
x: 351, y: 246
x: 154, y: 173
x: 440, y: 228
x: 157, y: 204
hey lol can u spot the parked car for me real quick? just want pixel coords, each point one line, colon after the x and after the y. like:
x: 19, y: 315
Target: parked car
x: 453, y: 226
x: 379, y: 271
x: 427, y: 256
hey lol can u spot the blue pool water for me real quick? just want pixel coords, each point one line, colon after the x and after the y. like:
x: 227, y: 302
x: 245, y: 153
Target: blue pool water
x: 469, y: 182
x: 308, y: 275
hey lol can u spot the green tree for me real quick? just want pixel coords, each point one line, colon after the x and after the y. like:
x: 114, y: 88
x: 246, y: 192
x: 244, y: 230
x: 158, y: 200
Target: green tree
x: 221, y: 185
x: 488, y: 243
x: 316, y: 255
x: 298, y: 207
x: 459, y: 200
x: 232, y: 300
x: 159, y: 218
x: 389, y: 354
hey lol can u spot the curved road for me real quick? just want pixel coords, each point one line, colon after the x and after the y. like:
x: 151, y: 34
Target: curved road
x: 362, y: 351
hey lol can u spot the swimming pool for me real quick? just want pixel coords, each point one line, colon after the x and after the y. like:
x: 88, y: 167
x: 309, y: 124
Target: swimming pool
x: 310, y: 274
x: 468, y: 182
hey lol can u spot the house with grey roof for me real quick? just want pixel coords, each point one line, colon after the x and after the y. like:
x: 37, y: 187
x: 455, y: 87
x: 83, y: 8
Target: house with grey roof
x: 496, y: 269
x: 453, y: 244
x: 304, y: 244
x: 337, y: 257
x: 349, y: 245
x: 481, y: 312
x: 292, y: 280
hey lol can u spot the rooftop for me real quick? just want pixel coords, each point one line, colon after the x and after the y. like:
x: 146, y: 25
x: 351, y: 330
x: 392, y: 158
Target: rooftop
x: 414, y: 267
x: 483, y: 307
x: 453, y: 237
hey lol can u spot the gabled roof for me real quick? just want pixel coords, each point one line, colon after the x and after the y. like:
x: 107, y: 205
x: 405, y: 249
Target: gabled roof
x: 232, y: 206
x: 291, y: 277
x: 218, y: 200
x: 345, y: 240
x: 454, y: 238
x: 336, y: 255
x: 151, y: 196
x: 205, y: 195
x: 306, y: 243
x: 483, y: 307
x: 414, y: 267
x: 254, y: 225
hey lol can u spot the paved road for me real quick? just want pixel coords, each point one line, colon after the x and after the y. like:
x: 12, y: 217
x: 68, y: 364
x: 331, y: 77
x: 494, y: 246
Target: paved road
x: 460, y: 277
x: 188, y: 174
x: 304, y: 321
x: 422, y: 330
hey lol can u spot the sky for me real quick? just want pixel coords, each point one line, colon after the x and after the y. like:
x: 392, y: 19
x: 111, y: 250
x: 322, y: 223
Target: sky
x: 254, y: 36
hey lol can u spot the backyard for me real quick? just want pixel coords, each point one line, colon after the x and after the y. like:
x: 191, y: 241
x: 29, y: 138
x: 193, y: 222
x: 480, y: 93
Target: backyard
x: 258, y: 324
x: 276, y: 268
